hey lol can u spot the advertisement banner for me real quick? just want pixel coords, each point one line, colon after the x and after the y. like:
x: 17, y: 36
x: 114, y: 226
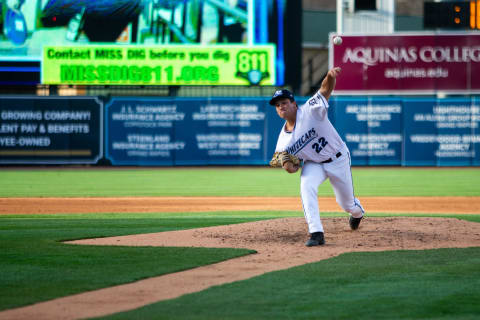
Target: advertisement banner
x: 244, y: 131
x: 371, y: 128
x: 46, y: 130
x: 141, y: 131
x: 164, y: 65
x: 196, y: 131
x: 225, y: 132
x: 441, y: 132
x: 408, y: 63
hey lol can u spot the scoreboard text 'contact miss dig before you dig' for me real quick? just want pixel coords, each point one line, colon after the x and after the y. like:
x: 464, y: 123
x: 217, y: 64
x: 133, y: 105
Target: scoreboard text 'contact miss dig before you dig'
x: 161, y: 65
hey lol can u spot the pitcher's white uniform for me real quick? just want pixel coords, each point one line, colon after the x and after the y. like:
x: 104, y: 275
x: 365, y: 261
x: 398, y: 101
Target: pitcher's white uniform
x: 324, y: 155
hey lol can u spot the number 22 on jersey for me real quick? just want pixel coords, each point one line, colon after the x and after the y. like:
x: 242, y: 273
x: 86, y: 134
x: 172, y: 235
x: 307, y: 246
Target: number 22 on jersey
x: 319, y: 145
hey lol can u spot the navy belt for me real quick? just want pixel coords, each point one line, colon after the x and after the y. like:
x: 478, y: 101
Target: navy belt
x: 338, y: 155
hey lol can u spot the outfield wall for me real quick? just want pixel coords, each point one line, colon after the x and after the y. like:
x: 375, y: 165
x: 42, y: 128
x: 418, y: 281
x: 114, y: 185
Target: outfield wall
x: 408, y: 131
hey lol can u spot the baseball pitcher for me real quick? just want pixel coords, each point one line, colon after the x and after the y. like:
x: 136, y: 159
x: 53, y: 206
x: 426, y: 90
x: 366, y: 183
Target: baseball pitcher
x: 309, y: 137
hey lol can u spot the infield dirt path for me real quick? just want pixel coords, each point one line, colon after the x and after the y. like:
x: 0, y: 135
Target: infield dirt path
x: 279, y: 243
x: 457, y: 205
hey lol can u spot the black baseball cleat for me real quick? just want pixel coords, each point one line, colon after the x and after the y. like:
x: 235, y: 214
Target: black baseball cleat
x: 354, y: 222
x: 316, y: 239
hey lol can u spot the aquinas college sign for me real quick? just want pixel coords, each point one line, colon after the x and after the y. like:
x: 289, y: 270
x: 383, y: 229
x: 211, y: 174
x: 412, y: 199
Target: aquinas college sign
x: 408, y: 63
x: 428, y: 54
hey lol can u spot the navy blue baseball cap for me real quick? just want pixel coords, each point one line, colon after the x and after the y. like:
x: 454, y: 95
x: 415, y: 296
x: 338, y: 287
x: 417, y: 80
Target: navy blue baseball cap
x: 279, y: 94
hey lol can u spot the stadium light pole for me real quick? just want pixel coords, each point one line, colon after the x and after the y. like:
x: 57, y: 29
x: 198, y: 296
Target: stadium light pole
x: 340, y: 16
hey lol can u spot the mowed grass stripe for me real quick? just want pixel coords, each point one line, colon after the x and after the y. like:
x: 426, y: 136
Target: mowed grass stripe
x: 230, y: 182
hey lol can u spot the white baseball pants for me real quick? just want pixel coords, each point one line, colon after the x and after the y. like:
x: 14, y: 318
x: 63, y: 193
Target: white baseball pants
x: 340, y: 175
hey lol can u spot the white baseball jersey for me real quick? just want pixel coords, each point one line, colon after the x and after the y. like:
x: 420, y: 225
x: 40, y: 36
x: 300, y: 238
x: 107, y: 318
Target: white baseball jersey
x: 314, y: 138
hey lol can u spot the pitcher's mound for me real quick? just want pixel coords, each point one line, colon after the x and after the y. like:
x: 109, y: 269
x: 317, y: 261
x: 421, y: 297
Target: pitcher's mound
x: 291, y: 233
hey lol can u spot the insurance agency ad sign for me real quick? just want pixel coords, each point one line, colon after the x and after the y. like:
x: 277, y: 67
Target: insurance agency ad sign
x: 408, y: 63
x: 189, y: 131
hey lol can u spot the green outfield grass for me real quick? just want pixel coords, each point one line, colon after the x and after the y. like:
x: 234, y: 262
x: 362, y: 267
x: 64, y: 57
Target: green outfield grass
x: 36, y: 266
x: 230, y: 182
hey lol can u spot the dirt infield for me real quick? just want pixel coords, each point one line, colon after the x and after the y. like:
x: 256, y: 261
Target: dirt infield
x: 459, y: 205
x: 279, y: 243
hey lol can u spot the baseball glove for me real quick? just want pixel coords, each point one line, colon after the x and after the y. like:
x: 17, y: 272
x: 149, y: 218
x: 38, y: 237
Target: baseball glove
x: 279, y: 158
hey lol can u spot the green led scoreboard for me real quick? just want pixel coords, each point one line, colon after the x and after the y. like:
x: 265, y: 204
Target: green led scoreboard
x: 159, y: 65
